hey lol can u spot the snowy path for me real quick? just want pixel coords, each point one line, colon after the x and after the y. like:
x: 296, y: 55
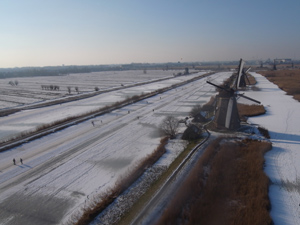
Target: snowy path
x: 65, y: 170
x: 283, y: 161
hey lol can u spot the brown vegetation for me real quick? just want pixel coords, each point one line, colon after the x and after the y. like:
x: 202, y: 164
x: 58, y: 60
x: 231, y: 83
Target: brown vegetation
x: 287, y: 80
x: 121, y: 185
x: 227, y: 186
x: 251, y: 79
x: 264, y: 132
x: 250, y: 110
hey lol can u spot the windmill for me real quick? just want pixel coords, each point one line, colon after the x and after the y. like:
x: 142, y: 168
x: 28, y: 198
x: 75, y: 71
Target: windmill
x: 242, y: 75
x: 226, y: 112
x: 274, y: 65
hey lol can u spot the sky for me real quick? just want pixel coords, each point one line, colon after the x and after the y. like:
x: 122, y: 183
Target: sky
x: 96, y: 32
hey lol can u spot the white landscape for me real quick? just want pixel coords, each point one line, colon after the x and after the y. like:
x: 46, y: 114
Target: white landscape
x: 283, y: 161
x: 29, y: 120
x: 68, y: 169
x: 29, y: 89
x: 65, y: 171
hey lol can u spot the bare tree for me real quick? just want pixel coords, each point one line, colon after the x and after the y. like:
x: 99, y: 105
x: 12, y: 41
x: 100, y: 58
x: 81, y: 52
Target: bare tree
x: 69, y: 90
x: 77, y: 90
x: 170, y: 126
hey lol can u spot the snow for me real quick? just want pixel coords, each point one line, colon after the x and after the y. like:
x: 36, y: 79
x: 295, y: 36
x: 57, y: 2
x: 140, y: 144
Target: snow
x: 282, y: 162
x: 67, y: 170
x: 29, y: 120
x: 29, y: 91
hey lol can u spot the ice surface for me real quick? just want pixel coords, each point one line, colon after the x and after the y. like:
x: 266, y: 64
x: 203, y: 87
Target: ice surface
x: 283, y: 161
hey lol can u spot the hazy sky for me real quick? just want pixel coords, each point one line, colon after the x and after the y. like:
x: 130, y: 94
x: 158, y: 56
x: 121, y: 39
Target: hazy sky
x: 86, y: 32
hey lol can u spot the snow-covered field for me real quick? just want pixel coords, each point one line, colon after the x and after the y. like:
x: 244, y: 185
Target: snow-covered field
x: 29, y: 120
x: 283, y: 161
x: 29, y: 89
x: 67, y: 170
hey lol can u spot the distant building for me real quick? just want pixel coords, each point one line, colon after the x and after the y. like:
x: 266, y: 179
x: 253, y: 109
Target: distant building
x: 283, y: 61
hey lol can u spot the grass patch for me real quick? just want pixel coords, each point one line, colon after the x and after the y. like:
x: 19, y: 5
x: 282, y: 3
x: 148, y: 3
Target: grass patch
x: 251, y: 79
x: 227, y: 186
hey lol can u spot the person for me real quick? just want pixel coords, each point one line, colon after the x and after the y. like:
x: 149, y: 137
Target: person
x: 93, y: 123
x: 21, y: 160
x: 14, y: 161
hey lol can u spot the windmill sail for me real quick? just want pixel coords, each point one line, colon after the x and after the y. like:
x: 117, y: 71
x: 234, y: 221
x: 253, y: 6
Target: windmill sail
x: 251, y: 99
x: 247, y: 70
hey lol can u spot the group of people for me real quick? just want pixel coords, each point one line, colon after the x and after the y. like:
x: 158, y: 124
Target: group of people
x: 21, y: 161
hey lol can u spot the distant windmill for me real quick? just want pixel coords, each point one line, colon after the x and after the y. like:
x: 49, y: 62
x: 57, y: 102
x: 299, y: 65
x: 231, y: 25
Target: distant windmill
x: 261, y: 64
x: 274, y: 65
x: 226, y: 112
x: 242, y: 75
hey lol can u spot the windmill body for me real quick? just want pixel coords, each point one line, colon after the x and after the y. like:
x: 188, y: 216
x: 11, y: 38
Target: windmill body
x: 242, y: 80
x: 226, y: 115
x: 226, y: 111
x: 242, y: 75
